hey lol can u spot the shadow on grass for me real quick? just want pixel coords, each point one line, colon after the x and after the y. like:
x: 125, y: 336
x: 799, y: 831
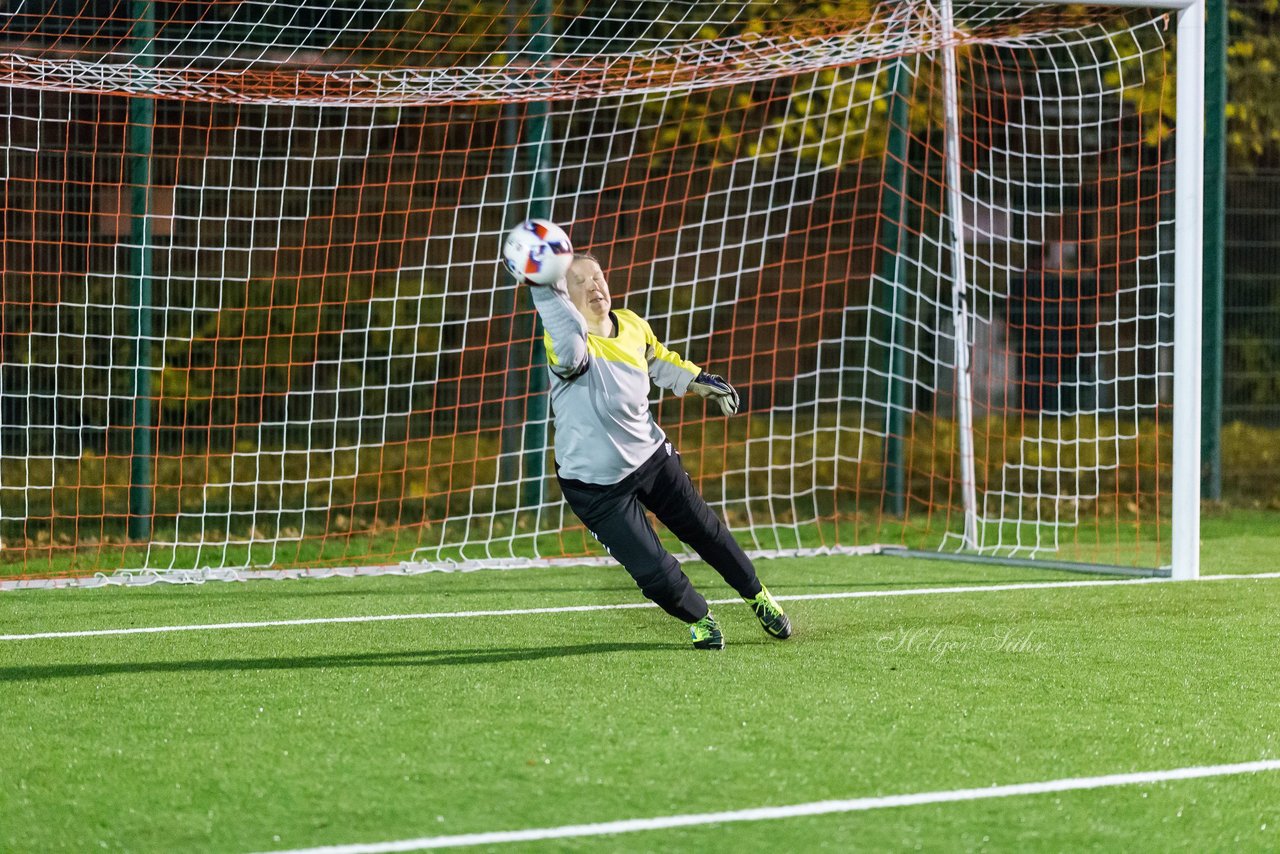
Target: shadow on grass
x: 415, y: 658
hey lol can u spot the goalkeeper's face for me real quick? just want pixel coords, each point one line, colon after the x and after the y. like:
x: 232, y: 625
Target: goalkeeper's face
x: 588, y: 289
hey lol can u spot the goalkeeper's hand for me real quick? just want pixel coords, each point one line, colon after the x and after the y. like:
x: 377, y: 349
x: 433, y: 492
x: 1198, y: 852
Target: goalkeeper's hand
x: 560, y: 286
x: 716, y: 389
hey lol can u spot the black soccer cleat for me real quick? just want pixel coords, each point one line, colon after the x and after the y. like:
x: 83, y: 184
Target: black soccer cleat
x: 770, y: 614
x: 706, y: 633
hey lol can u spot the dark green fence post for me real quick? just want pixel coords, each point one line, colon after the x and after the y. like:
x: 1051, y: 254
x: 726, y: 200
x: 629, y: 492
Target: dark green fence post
x: 891, y: 294
x: 537, y: 158
x: 510, y: 294
x: 524, y: 414
x: 1215, y: 160
x: 141, y: 122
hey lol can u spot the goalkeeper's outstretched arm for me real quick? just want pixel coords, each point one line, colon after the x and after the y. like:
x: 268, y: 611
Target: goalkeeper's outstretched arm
x: 566, y: 329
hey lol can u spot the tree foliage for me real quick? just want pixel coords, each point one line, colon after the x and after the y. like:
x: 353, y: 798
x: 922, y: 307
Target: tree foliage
x: 1253, y: 58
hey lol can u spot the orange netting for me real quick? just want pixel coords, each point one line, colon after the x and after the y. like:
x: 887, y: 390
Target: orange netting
x: 252, y: 318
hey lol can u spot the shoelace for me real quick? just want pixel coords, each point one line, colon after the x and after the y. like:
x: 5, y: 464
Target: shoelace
x: 703, y: 629
x: 765, y: 604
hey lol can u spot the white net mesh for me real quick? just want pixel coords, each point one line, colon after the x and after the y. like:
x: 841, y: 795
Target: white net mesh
x: 257, y: 321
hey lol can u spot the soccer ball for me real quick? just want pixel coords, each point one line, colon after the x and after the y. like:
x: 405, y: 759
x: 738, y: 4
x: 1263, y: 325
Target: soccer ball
x: 538, y: 251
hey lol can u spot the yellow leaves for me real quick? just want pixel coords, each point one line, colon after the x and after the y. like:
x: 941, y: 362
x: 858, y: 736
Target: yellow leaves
x: 1241, y: 50
x: 1253, y: 58
x: 1157, y: 133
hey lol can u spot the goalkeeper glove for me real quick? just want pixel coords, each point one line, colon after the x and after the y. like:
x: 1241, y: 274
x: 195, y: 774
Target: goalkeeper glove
x: 715, y: 388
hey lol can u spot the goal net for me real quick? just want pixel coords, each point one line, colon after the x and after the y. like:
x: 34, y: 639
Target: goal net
x: 253, y: 318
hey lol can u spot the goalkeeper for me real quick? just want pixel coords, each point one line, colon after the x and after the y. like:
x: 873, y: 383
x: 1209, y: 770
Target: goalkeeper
x: 613, y: 460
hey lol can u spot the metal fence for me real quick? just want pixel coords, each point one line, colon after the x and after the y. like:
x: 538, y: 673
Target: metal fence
x: 1251, y: 300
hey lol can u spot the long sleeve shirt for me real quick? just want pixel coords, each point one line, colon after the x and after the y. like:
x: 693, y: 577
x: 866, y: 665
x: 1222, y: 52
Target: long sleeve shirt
x: 600, y: 389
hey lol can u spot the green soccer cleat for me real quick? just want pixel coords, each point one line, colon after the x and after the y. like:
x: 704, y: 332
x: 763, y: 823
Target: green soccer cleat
x: 706, y: 633
x: 770, y: 614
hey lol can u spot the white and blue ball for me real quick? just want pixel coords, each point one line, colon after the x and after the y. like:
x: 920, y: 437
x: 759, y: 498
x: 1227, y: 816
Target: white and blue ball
x: 538, y: 251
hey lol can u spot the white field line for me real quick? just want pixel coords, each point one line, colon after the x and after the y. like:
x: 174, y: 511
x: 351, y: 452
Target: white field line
x: 634, y: 825
x: 568, y: 609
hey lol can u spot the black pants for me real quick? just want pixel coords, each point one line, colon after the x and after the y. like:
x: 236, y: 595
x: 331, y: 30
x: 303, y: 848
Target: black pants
x: 615, y: 516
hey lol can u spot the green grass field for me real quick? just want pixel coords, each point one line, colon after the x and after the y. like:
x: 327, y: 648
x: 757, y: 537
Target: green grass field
x: 281, y: 737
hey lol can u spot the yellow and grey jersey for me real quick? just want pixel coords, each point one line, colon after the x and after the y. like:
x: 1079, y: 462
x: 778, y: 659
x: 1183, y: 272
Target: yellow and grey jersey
x: 600, y: 389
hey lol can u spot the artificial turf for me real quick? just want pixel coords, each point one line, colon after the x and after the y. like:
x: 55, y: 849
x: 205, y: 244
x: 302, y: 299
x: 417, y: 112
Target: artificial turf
x: 264, y: 738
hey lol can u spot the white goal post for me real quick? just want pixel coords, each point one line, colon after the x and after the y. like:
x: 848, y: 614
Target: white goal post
x: 1188, y: 292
